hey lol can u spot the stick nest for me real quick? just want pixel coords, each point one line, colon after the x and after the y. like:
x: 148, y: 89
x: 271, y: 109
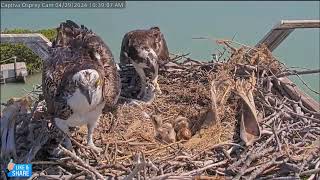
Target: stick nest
x: 211, y: 98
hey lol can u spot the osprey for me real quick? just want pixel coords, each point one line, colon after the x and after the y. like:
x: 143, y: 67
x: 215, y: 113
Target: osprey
x: 146, y: 50
x: 79, y: 79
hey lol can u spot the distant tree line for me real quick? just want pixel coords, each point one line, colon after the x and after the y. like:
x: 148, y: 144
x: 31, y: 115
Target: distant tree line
x: 23, y: 53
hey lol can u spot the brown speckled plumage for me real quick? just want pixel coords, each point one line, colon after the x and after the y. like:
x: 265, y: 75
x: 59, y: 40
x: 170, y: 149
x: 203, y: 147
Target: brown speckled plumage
x: 74, y: 50
x: 146, y: 50
x: 151, y: 38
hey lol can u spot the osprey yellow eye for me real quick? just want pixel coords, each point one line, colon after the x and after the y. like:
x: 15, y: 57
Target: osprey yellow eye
x: 98, y: 82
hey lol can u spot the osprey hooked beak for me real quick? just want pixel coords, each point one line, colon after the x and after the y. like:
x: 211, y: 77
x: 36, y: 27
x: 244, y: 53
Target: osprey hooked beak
x: 87, y: 91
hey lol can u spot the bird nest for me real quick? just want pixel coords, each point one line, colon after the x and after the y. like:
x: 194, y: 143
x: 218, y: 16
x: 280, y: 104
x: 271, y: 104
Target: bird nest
x: 237, y: 118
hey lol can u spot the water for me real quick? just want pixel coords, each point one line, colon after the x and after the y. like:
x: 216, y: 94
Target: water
x: 9, y: 90
x: 180, y: 22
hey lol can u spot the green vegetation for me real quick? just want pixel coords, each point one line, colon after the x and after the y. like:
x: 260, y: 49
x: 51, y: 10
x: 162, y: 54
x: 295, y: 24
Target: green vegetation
x: 23, y: 53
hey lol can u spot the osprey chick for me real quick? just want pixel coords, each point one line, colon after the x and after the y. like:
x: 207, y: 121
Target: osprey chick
x: 79, y: 79
x: 145, y: 49
x: 163, y: 131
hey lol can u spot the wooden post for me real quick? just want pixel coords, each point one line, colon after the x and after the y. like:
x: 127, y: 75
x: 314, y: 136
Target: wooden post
x: 2, y: 79
x: 15, y: 66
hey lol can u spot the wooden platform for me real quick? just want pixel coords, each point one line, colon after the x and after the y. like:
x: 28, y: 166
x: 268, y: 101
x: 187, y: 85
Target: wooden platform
x: 38, y: 43
x: 13, y: 72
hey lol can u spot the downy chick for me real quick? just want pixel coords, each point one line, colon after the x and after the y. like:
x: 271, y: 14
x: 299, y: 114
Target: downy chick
x: 164, y: 132
x: 181, y: 127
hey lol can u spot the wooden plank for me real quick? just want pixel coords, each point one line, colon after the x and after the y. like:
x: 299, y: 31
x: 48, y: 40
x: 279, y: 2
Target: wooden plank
x: 281, y: 37
x: 24, y: 38
x: 38, y: 49
x: 283, y: 29
x: 274, y: 38
x: 38, y: 43
x: 10, y: 66
x: 298, y: 94
x: 9, y: 74
x: 293, y: 24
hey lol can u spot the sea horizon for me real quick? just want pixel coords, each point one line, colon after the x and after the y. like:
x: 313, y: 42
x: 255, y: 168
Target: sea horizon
x: 180, y: 22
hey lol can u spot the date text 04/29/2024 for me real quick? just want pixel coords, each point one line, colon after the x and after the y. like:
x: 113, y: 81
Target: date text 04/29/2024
x: 62, y: 4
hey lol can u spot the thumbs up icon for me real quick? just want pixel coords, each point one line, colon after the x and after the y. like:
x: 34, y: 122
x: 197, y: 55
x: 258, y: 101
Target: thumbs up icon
x: 10, y: 165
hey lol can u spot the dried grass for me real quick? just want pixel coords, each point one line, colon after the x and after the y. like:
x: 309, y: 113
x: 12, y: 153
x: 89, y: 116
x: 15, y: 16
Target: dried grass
x: 127, y: 135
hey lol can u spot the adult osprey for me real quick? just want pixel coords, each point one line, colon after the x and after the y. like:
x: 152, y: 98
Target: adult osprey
x: 79, y: 79
x: 145, y: 49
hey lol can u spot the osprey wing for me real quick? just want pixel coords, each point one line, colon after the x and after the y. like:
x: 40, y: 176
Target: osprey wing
x: 53, y: 85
